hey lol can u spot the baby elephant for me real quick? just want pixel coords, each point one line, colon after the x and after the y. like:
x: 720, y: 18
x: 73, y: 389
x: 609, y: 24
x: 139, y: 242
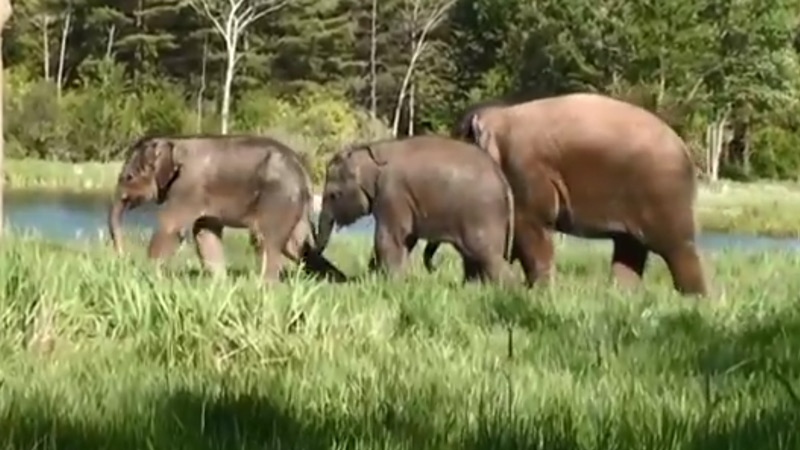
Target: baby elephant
x: 423, y: 187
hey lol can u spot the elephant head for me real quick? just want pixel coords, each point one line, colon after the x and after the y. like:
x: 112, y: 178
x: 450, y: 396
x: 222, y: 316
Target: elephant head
x: 485, y: 137
x: 145, y: 176
x: 482, y: 125
x: 350, y: 186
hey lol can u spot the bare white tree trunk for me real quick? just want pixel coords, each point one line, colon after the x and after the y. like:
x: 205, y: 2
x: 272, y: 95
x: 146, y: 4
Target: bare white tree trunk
x: 46, y: 46
x: 411, y: 97
x: 201, y: 92
x: 5, y: 14
x: 230, y: 71
x: 110, y: 41
x: 373, y: 63
x: 434, y: 18
x: 62, y: 53
x: 231, y: 18
x: 715, y: 143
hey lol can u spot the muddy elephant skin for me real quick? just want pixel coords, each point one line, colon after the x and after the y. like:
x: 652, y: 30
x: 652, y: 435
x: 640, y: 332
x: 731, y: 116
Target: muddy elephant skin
x: 210, y: 182
x: 423, y: 187
x: 595, y: 167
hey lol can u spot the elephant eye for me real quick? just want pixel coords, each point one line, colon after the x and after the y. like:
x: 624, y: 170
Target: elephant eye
x: 333, y: 195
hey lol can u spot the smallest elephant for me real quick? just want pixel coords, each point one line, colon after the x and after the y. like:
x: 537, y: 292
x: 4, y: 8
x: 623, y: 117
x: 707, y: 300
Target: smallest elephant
x: 423, y: 187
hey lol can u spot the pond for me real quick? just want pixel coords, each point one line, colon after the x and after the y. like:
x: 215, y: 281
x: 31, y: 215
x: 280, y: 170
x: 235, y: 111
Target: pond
x: 83, y: 216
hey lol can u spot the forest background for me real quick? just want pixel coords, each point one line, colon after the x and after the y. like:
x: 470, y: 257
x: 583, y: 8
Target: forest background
x: 84, y: 78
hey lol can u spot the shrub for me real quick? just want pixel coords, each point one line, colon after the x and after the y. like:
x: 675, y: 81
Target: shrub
x: 775, y: 153
x: 316, y: 123
x: 96, y: 120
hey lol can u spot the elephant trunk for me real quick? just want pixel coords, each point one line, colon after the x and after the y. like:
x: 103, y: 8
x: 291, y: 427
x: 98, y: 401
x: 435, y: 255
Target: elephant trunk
x: 324, y: 228
x: 119, y: 205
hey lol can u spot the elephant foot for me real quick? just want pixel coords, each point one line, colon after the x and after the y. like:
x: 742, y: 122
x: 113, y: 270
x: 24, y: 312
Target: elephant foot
x: 687, y: 271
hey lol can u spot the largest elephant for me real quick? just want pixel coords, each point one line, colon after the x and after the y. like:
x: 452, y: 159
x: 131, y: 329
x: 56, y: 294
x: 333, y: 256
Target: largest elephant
x: 592, y: 166
x: 210, y: 182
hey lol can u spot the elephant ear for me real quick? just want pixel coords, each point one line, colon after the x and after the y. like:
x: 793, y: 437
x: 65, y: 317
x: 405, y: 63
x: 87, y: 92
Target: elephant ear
x: 376, y: 155
x: 363, y: 163
x: 162, y: 158
x: 484, y: 137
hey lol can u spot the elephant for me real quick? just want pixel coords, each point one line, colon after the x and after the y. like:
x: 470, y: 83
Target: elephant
x: 216, y: 181
x: 427, y: 256
x: 422, y: 187
x: 594, y: 167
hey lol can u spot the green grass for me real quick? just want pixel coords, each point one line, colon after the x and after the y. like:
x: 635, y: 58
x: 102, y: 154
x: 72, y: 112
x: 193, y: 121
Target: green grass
x: 88, y: 177
x: 103, y: 352
x: 767, y: 208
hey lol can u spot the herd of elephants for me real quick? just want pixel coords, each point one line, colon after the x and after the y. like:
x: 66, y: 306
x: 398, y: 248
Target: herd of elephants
x: 506, y: 178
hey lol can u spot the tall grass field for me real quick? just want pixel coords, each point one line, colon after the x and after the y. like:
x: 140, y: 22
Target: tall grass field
x: 102, y: 352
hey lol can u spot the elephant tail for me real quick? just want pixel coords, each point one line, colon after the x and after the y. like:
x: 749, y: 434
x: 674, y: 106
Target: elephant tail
x: 309, y: 217
x: 509, y: 249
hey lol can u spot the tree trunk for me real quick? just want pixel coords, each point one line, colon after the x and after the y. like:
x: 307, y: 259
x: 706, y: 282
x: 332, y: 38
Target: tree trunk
x: 411, y: 105
x: 715, y: 142
x: 201, y: 92
x: 62, y: 53
x: 226, y: 91
x: 46, y: 46
x: 110, y: 42
x: 5, y: 14
x: 373, y: 96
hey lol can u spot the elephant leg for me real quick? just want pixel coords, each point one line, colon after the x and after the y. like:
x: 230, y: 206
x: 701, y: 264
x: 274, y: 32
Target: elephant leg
x: 485, y: 258
x: 427, y: 256
x: 207, y: 234
x: 390, y: 249
x: 686, y: 269
x: 471, y: 269
x: 533, y: 246
x: 372, y: 265
x: 269, y: 239
x: 628, y: 260
x: 497, y: 270
x: 298, y: 250
x: 410, y: 243
x: 270, y: 258
x: 166, y: 237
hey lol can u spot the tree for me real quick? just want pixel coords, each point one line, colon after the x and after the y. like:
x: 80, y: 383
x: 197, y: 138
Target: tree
x: 231, y: 18
x: 422, y: 17
x: 5, y: 14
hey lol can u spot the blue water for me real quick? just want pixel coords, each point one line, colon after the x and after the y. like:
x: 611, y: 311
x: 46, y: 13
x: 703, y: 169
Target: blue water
x: 67, y: 217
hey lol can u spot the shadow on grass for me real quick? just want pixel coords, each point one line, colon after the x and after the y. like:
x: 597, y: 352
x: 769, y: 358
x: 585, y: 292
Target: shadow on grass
x: 186, y: 420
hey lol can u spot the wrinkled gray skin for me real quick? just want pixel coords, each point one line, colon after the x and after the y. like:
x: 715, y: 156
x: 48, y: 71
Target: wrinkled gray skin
x: 214, y: 181
x: 423, y: 187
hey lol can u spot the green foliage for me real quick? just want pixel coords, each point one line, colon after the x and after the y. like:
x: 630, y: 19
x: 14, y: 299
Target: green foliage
x: 776, y: 153
x: 103, y: 352
x: 141, y: 67
x: 316, y: 122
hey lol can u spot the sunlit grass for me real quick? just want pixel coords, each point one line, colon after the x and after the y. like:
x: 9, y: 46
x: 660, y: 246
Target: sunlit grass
x: 106, y: 352
x: 768, y: 208
x: 88, y: 177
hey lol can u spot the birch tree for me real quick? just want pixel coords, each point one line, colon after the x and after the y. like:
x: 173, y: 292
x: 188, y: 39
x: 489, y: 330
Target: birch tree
x: 423, y: 16
x: 230, y: 19
x: 62, y: 52
x: 5, y: 14
x: 373, y: 63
